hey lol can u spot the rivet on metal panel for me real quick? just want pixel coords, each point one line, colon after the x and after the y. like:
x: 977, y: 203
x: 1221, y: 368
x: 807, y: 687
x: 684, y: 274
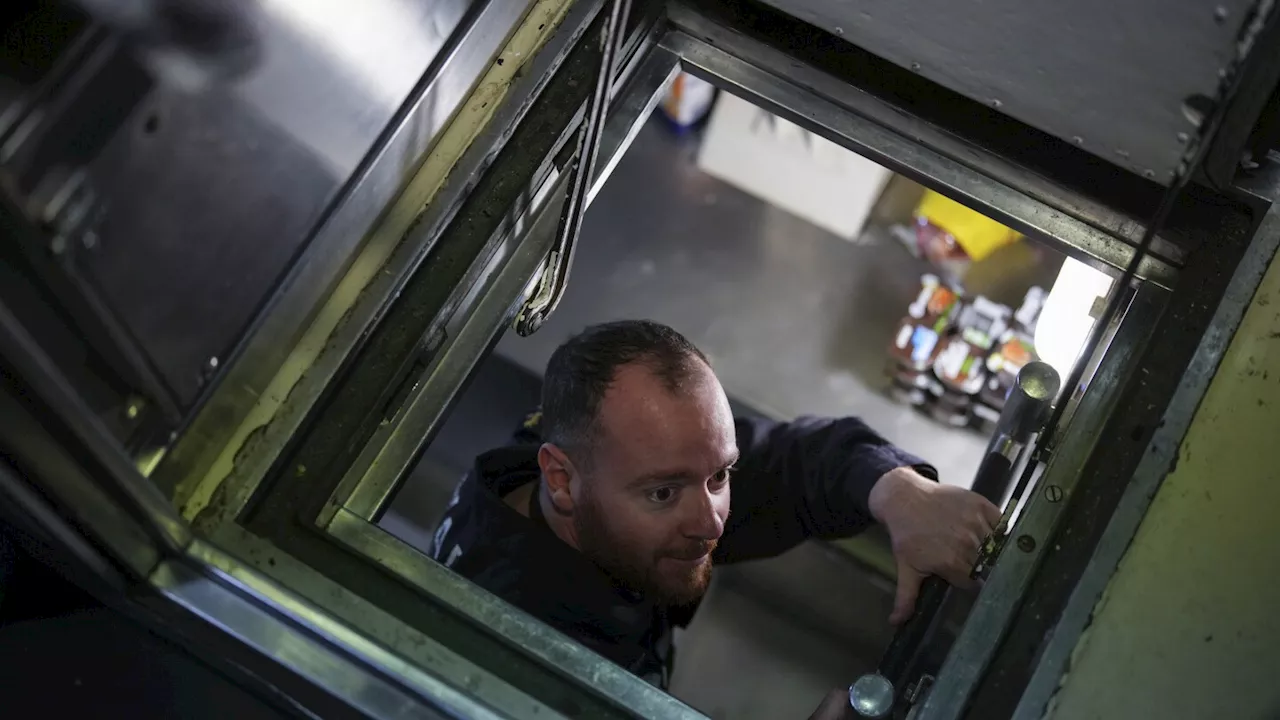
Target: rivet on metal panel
x: 208, y: 370
x: 915, y: 66
x: 1077, y: 140
x: 1220, y: 14
x: 133, y: 408
x: 1026, y: 543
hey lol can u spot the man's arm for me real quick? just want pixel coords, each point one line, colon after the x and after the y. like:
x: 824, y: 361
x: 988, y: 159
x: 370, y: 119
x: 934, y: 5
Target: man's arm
x: 831, y: 478
x: 811, y: 478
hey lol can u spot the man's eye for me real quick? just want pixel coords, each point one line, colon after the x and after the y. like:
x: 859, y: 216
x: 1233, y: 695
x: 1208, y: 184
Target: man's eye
x: 662, y: 495
x: 721, y: 478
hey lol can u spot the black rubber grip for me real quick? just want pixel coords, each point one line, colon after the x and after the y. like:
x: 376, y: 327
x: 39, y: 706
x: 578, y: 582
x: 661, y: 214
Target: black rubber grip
x: 911, y: 634
x: 993, y: 478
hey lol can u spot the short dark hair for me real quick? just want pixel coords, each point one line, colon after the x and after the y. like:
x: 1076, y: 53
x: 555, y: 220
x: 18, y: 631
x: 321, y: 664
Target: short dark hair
x: 582, y: 369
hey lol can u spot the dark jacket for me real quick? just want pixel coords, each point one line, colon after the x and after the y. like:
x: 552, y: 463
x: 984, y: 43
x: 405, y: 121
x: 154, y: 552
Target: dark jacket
x: 794, y: 481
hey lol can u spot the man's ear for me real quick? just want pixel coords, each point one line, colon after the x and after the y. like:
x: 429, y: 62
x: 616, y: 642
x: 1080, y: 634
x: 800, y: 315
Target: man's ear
x: 557, y: 473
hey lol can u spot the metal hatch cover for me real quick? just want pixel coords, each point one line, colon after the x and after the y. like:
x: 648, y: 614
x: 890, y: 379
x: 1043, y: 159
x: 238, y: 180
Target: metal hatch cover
x: 1100, y: 74
x: 275, y: 145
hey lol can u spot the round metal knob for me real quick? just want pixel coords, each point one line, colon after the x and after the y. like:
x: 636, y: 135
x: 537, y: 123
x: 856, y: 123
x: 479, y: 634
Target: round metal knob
x: 1039, y: 381
x: 1029, y: 402
x: 871, y: 696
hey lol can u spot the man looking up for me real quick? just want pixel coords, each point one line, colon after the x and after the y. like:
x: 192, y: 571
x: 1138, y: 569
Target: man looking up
x: 607, y: 514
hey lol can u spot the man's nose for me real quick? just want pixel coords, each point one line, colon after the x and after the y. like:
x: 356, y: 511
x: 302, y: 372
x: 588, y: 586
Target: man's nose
x: 703, y: 519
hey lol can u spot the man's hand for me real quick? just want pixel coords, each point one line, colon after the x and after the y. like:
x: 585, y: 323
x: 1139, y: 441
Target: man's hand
x: 935, y: 529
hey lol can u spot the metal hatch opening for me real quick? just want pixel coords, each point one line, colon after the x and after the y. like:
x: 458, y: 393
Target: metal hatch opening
x: 405, y: 484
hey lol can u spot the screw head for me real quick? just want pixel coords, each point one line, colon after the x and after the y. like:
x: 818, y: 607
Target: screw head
x: 1026, y: 543
x: 133, y: 407
x: 1053, y: 493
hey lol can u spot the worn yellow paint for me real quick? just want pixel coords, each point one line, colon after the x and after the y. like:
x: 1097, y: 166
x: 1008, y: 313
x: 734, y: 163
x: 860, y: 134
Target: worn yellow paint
x: 1189, y: 626
x: 537, y: 26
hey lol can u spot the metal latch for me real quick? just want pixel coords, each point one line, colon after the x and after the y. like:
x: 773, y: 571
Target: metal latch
x: 554, y: 277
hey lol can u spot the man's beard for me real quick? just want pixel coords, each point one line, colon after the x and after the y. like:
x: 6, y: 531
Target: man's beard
x: 638, y: 570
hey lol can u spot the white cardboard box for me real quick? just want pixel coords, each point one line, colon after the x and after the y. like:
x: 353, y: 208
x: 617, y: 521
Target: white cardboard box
x: 790, y: 167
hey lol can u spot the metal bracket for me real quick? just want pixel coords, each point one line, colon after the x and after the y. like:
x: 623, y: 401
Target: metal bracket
x: 554, y: 277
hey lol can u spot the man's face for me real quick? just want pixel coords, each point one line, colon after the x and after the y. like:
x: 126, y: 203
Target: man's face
x: 651, y: 504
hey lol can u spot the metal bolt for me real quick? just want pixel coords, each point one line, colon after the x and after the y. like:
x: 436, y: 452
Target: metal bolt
x: 212, y: 364
x: 915, y: 66
x: 1220, y: 14
x: 533, y: 324
x: 1053, y: 494
x: 1026, y: 543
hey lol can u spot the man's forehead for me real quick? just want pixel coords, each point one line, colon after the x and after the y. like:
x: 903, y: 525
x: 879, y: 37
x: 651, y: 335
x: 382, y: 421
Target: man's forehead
x: 641, y: 416
x: 639, y: 393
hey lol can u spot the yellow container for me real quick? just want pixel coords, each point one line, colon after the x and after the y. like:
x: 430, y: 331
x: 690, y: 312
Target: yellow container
x: 978, y: 234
